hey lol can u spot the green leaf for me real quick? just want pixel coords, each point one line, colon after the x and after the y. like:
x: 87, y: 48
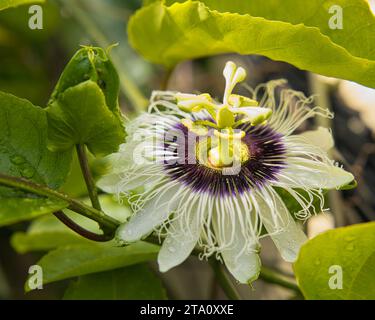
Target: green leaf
x: 351, y: 249
x: 4, y: 4
x: 357, y: 35
x: 91, y: 63
x: 168, y: 35
x: 24, y: 153
x: 47, y: 233
x: 81, y: 259
x: 83, y: 108
x: 81, y: 116
x: 23, y: 131
x: 14, y: 210
x: 131, y: 283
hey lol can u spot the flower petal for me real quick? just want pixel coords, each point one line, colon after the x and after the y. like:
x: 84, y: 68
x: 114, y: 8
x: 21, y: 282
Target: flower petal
x: 239, y: 247
x: 179, y: 243
x: 132, y: 178
x: 244, y: 265
x: 153, y: 213
x: 284, y: 231
x: 313, y: 174
x: 321, y: 137
x: 109, y: 183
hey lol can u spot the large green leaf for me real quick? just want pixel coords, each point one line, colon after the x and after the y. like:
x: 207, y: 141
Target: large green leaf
x: 47, y: 233
x: 357, y: 35
x: 14, y: 3
x: 168, y: 35
x: 131, y: 283
x: 351, y: 249
x: 24, y: 153
x: 81, y: 259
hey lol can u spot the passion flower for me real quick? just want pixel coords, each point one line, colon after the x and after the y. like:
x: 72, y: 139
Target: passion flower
x: 206, y: 172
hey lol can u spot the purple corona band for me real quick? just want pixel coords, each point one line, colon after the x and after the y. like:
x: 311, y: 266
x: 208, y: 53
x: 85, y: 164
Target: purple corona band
x: 267, y: 158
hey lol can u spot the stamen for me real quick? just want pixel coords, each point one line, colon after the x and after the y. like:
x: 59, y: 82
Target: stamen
x: 232, y: 75
x: 234, y: 110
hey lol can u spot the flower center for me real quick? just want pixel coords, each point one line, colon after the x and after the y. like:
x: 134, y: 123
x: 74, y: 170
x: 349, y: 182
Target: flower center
x: 222, y: 149
x: 260, y: 152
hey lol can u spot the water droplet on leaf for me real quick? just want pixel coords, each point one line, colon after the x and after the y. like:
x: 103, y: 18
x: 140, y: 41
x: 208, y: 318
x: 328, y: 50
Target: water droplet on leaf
x: 17, y: 160
x: 350, y: 247
x: 27, y: 173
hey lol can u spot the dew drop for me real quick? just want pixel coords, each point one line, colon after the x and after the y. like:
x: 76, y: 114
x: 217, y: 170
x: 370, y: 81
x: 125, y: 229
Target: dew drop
x: 171, y: 249
x: 317, y: 262
x: 350, y: 247
x: 27, y: 173
x: 17, y: 160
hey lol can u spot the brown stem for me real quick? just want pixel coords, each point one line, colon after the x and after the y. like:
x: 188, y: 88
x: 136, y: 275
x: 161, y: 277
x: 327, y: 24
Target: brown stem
x: 82, y: 231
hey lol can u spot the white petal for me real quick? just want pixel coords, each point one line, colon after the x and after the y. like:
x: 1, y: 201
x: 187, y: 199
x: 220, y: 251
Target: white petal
x: 321, y: 137
x: 118, y: 162
x: 109, y: 183
x: 180, y: 242
x: 285, y: 233
x: 154, y: 213
x: 289, y: 241
x: 132, y: 178
x: 313, y: 174
x: 240, y: 249
x: 244, y: 265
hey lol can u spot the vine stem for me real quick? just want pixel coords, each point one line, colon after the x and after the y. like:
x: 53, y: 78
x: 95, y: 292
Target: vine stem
x: 224, y: 281
x: 82, y: 231
x: 100, y: 217
x: 90, y: 184
x: 271, y: 276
